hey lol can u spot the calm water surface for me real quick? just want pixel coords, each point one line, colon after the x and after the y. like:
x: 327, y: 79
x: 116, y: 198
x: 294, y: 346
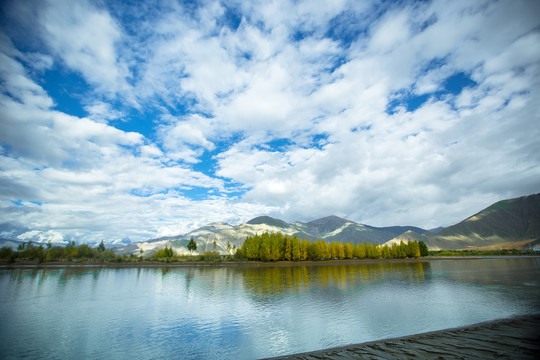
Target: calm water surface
x: 250, y: 312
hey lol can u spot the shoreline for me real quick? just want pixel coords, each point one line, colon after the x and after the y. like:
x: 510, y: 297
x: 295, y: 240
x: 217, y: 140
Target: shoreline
x: 512, y: 338
x: 310, y: 263
x: 151, y: 264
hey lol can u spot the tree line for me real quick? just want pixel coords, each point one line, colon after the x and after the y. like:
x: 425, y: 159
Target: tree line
x: 276, y: 246
x: 265, y: 247
x: 29, y: 251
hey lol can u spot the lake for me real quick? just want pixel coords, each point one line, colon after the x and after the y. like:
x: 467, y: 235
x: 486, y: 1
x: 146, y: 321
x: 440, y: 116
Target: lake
x: 246, y: 312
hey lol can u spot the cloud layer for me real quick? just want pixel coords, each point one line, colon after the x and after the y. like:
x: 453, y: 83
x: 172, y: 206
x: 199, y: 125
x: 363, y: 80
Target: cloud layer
x: 136, y: 122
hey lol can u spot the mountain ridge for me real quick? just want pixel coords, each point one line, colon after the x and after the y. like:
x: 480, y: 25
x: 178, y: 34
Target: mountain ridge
x: 511, y: 223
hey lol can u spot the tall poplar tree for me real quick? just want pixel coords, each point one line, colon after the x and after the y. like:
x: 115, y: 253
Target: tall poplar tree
x: 288, y: 248
x: 423, y: 249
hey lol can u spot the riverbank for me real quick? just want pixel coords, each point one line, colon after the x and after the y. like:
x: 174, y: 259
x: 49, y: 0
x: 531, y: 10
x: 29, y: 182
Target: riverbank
x: 71, y: 264
x: 514, y: 338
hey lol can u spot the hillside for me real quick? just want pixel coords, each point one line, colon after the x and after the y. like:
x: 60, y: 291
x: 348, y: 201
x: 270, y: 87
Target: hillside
x: 323, y: 226
x: 513, y: 223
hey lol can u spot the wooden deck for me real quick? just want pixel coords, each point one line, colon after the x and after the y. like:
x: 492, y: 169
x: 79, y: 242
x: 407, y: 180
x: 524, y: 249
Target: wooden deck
x: 515, y: 338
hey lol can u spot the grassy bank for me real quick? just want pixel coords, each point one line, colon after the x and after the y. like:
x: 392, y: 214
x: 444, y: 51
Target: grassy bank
x: 502, y: 252
x: 193, y: 261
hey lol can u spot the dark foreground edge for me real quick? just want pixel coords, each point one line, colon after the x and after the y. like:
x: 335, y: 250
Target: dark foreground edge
x: 514, y: 338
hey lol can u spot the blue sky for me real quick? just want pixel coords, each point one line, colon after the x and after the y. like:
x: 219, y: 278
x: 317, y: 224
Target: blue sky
x: 145, y: 119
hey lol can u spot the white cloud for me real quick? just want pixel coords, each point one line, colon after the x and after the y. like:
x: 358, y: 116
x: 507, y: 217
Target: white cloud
x: 186, y: 140
x: 85, y: 38
x: 103, y: 112
x: 417, y: 161
x: 391, y: 32
x: 316, y: 78
x: 83, y: 173
x: 16, y: 85
x: 151, y: 151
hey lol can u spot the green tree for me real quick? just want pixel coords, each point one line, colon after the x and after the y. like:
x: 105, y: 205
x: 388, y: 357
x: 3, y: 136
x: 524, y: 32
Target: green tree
x: 255, y: 251
x: 333, y: 250
x: 277, y: 244
x: 325, y: 250
x: 362, y: 251
x: 8, y: 254
x: 250, y: 247
x: 394, y: 251
x: 402, y: 250
x: 349, y: 250
x: 288, y: 248
x: 84, y: 251
x: 192, y: 245
x: 101, y: 246
x: 412, y: 249
x: 423, y: 249
x: 266, y: 247
x: 164, y: 253
x: 373, y: 251
x: 296, y: 251
x: 244, y: 248
x: 320, y: 249
x: 228, y: 247
x: 313, y: 253
x: 341, y: 250
x: 304, y: 249
x: 385, y: 252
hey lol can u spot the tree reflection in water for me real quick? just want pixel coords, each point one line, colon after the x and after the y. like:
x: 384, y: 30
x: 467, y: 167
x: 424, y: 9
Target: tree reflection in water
x: 276, y: 281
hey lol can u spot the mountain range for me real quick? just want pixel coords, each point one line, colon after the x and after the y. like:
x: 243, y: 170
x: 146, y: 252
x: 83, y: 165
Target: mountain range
x: 513, y: 223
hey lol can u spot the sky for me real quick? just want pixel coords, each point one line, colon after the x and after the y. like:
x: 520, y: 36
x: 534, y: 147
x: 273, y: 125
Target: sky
x: 144, y: 119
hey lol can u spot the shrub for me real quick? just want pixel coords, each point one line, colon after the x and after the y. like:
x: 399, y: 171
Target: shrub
x: 5, y: 253
x: 164, y: 253
x: 213, y: 256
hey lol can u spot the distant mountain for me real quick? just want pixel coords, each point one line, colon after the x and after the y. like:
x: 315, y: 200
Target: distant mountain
x: 323, y: 226
x: 267, y: 220
x: 330, y: 228
x: 513, y: 223
x: 436, y: 230
x: 13, y: 243
x: 333, y: 228
x: 116, y: 243
x: 399, y: 229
